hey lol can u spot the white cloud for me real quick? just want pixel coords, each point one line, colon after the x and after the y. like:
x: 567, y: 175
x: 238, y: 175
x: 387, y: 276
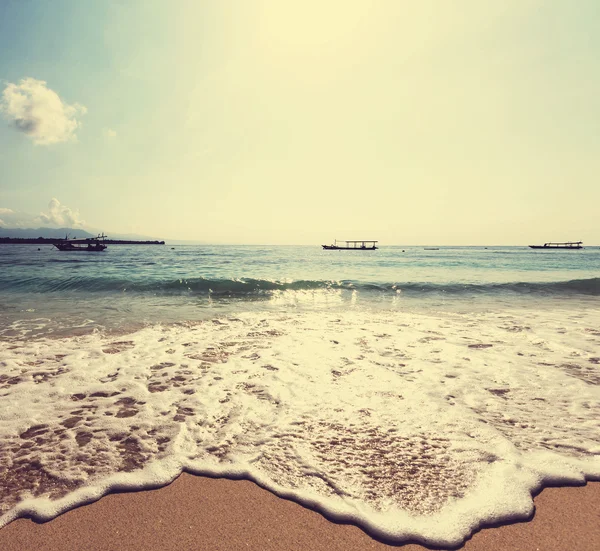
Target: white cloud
x: 61, y: 215
x: 15, y: 219
x: 38, y: 112
x: 2, y: 223
x: 57, y: 215
x: 110, y: 133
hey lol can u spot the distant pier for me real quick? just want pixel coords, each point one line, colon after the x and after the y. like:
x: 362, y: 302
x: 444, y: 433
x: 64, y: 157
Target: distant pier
x: 52, y: 241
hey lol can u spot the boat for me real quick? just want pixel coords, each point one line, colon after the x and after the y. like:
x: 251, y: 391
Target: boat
x: 88, y: 244
x: 358, y: 245
x: 567, y: 245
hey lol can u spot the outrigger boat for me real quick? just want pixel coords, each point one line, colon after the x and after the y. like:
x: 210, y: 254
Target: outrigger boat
x: 567, y: 245
x: 89, y: 244
x: 359, y: 245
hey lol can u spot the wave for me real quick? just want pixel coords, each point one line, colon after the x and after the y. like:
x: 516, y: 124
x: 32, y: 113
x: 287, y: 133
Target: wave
x: 248, y: 286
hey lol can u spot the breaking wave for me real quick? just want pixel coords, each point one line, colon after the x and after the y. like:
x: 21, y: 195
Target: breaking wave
x: 248, y: 286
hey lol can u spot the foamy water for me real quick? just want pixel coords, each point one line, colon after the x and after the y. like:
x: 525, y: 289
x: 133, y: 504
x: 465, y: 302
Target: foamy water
x: 422, y: 423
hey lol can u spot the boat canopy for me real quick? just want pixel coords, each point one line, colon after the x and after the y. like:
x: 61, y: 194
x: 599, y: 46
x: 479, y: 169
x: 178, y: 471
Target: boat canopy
x: 355, y: 242
x: 86, y: 239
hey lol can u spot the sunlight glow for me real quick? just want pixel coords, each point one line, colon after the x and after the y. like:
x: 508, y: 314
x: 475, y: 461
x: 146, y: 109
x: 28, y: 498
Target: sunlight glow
x: 312, y: 24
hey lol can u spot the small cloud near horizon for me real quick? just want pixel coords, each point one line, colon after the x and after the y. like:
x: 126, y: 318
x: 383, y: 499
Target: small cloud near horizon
x: 110, y: 133
x: 39, y: 112
x: 57, y: 215
x: 15, y: 219
x: 4, y: 211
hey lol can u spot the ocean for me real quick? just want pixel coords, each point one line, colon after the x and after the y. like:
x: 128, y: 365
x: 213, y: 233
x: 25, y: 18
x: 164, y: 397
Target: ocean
x: 420, y: 394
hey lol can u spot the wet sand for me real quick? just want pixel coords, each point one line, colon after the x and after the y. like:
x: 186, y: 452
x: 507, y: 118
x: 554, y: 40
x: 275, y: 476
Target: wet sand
x: 197, y: 513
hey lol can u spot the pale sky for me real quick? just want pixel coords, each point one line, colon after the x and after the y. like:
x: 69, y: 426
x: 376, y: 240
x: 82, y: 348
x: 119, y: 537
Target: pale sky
x: 298, y: 122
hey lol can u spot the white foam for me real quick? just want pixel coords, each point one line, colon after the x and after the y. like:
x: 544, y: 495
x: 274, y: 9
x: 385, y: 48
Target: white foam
x: 419, y: 426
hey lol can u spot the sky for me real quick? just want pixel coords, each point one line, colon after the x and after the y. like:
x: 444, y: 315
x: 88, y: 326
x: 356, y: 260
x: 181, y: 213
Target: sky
x: 448, y: 122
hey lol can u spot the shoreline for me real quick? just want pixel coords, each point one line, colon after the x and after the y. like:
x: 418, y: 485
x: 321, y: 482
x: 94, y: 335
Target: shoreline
x: 196, y: 512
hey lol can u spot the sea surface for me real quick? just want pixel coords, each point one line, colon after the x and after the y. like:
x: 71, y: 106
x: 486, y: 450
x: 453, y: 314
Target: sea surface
x: 420, y: 394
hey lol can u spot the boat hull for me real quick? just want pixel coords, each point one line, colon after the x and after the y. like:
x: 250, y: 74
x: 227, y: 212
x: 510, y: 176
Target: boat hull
x: 72, y: 248
x: 555, y: 248
x: 336, y: 248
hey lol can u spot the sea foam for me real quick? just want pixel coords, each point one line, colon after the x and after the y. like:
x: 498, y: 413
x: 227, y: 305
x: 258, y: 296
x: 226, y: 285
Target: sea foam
x: 417, y: 426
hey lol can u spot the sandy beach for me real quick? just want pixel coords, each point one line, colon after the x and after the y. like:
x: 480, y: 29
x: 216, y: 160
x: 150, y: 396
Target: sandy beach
x: 197, y: 513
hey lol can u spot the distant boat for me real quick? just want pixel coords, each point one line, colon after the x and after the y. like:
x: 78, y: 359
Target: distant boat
x: 358, y: 245
x: 89, y: 244
x: 567, y: 245
x: 431, y: 248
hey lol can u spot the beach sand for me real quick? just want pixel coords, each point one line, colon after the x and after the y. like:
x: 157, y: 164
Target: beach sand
x: 197, y: 513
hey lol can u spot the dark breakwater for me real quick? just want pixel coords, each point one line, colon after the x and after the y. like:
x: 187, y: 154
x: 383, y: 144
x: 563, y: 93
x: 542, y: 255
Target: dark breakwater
x: 52, y: 241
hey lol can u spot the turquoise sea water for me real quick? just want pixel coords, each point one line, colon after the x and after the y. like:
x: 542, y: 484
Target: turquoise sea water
x: 417, y: 393
x: 152, y: 284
